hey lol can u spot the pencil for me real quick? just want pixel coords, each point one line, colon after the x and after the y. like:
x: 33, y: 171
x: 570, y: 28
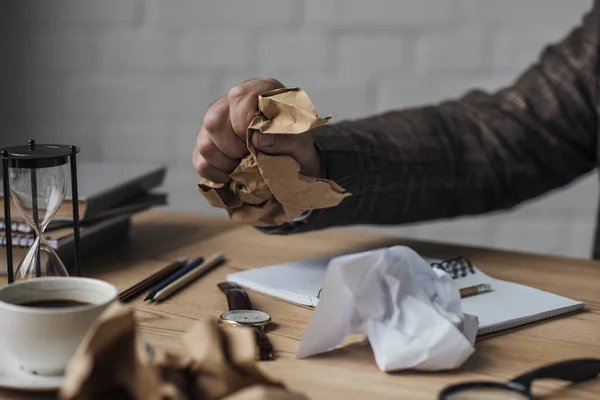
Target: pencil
x: 475, y: 289
x: 151, y: 280
x: 215, y: 261
x: 176, y: 275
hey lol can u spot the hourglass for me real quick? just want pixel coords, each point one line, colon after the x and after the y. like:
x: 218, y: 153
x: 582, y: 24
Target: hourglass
x: 35, y: 179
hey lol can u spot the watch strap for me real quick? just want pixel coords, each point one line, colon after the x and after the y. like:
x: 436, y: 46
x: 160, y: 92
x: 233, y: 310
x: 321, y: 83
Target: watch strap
x: 237, y: 299
x: 265, y: 348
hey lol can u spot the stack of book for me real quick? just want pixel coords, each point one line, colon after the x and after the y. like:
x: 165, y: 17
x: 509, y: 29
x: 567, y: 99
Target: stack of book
x: 109, y: 195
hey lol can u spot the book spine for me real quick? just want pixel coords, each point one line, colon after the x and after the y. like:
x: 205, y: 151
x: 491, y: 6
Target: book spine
x: 20, y: 227
x: 124, y: 193
x: 25, y: 241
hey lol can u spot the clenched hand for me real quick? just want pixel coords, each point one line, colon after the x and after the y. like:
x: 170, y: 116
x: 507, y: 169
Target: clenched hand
x: 221, y: 141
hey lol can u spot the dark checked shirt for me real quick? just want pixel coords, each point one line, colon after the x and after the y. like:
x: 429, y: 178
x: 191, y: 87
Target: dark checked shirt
x: 476, y: 154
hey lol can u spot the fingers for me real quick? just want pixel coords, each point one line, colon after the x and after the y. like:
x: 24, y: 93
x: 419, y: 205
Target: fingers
x: 243, y: 102
x: 210, y: 151
x: 207, y: 170
x: 221, y: 141
x: 209, y: 161
x: 218, y: 149
x: 218, y: 127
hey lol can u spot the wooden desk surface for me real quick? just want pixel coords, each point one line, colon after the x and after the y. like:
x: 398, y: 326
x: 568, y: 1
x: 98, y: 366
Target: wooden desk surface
x: 349, y: 372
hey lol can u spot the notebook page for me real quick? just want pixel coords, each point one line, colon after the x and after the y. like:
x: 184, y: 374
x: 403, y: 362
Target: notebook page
x: 298, y: 282
x: 510, y: 304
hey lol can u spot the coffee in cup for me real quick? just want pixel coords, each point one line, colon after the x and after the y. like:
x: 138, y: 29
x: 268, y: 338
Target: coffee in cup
x: 44, y: 320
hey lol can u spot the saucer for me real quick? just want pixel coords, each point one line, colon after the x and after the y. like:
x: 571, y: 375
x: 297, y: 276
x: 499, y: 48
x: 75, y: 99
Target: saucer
x: 12, y: 377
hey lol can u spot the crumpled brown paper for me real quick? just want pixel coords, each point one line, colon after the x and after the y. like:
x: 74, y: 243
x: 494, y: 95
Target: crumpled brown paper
x: 113, y: 363
x: 268, y: 190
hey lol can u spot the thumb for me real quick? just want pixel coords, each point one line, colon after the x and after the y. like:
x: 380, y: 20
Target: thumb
x: 274, y: 144
x: 300, y: 147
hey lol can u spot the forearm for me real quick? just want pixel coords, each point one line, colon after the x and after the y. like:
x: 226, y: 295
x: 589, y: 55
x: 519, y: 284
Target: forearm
x: 472, y: 156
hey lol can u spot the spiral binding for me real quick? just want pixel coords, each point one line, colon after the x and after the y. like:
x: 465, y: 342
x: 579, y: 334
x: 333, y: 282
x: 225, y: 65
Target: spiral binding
x: 455, y: 266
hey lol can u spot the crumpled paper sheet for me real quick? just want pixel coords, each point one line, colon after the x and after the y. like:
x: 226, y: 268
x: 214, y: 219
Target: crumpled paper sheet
x: 268, y: 190
x: 113, y: 363
x: 409, y: 312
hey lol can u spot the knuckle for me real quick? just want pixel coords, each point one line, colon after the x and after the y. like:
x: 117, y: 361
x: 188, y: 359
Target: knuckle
x: 212, y: 120
x: 196, y: 159
x: 241, y: 118
x: 238, y: 91
x: 197, y: 168
x: 240, y: 124
x: 274, y: 82
x: 253, y: 87
x: 216, y: 114
x: 206, y: 148
x: 203, y: 168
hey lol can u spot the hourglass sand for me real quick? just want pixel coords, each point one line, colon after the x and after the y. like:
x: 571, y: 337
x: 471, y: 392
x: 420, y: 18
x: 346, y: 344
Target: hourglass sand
x: 35, y: 179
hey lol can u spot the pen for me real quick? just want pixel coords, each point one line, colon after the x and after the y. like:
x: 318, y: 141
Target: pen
x: 475, y: 289
x: 147, y: 282
x: 215, y: 261
x: 181, y: 272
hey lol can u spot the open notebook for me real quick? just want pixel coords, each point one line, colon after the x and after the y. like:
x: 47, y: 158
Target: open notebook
x: 507, y: 306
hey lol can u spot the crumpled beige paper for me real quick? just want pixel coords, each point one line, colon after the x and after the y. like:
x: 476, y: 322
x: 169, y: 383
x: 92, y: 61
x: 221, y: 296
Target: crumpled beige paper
x: 219, y: 363
x: 268, y: 190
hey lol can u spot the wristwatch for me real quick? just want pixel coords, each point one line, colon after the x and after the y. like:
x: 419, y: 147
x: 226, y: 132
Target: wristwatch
x: 241, y: 313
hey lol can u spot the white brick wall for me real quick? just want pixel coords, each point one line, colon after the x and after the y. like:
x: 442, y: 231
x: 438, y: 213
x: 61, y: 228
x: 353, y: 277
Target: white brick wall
x: 134, y: 50
x: 370, y: 55
x: 512, y: 48
x: 394, y: 92
x: 133, y: 78
x: 460, y: 49
x: 214, y: 49
x: 298, y: 51
x: 523, y: 13
x: 194, y: 14
x: 379, y: 13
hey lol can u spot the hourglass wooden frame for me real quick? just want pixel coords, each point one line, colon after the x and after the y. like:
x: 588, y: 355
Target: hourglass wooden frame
x: 26, y: 157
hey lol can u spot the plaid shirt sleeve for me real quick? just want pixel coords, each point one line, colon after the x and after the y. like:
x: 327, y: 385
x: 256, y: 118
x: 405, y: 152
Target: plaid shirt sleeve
x: 471, y: 155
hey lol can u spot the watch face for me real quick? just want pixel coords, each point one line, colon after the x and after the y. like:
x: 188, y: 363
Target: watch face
x: 247, y: 317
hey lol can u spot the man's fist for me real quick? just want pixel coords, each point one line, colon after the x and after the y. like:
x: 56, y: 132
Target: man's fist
x: 221, y: 141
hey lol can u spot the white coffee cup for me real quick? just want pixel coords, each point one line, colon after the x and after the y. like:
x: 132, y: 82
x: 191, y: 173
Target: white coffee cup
x: 42, y: 340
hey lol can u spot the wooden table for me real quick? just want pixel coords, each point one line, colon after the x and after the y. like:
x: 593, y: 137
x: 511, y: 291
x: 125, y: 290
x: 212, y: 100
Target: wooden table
x: 349, y: 372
